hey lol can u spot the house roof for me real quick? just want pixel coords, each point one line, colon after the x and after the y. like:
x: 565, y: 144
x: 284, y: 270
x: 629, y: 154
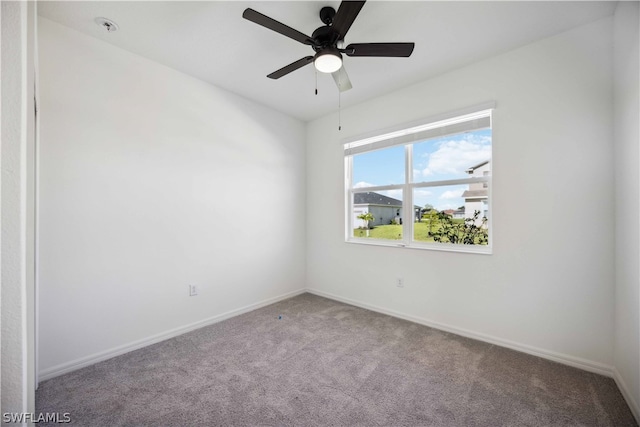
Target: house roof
x: 475, y: 194
x: 371, y: 198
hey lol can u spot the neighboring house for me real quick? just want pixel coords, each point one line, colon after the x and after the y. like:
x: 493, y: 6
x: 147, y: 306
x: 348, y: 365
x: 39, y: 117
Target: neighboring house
x: 458, y: 213
x: 383, y: 208
x: 454, y: 213
x: 477, y: 196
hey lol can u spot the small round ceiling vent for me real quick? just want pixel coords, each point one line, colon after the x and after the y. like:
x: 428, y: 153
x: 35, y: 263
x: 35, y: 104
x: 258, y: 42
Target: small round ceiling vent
x: 107, y: 24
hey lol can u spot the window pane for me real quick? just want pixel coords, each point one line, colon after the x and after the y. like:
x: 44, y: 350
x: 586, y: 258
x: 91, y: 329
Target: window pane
x: 382, y: 167
x: 453, y: 157
x: 452, y: 214
x: 378, y: 215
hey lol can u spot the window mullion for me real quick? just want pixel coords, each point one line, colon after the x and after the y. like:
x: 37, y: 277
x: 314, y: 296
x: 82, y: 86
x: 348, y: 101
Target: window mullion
x: 407, y: 222
x: 460, y: 181
x: 348, y: 183
x: 376, y: 188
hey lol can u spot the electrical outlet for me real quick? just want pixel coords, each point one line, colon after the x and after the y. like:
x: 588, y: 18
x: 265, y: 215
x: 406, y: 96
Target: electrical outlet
x: 400, y: 282
x: 193, y: 290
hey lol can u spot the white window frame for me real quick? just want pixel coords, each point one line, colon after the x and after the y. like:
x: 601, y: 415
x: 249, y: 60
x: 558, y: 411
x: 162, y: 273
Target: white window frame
x: 407, y: 135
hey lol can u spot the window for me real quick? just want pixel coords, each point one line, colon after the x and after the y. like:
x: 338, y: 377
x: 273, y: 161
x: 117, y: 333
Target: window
x: 424, y: 186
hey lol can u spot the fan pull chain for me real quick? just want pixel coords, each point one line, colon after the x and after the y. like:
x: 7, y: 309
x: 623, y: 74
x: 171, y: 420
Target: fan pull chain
x: 339, y: 102
x: 316, y: 81
x: 339, y: 110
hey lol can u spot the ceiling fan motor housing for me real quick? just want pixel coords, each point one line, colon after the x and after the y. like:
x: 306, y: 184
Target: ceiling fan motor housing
x: 324, y: 37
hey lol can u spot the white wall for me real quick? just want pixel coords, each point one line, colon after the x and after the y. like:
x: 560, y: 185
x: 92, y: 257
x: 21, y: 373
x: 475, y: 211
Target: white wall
x: 151, y: 180
x: 548, y: 287
x: 627, y: 190
x: 142, y: 195
x: 16, y: 198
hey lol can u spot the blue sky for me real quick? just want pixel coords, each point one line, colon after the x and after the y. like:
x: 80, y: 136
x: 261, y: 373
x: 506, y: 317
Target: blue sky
x: 433, y: 160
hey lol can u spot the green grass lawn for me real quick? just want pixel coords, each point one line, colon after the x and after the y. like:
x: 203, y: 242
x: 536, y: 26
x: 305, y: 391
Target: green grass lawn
x: 394, y: 232
x: 391, y: 232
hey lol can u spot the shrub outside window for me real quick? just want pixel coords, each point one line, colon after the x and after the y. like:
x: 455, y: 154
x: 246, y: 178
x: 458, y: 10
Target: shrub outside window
x: 423, y: 186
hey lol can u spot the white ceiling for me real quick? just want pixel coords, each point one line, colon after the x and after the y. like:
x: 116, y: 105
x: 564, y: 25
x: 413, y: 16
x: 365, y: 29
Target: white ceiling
x: 211, y: 41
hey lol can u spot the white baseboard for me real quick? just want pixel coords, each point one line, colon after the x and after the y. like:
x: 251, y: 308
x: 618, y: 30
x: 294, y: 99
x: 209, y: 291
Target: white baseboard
x: 576, y: 362
x: 82, y: 362
x: 633, y: 405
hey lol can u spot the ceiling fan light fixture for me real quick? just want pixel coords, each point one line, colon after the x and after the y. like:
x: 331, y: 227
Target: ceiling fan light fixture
x: 328, y: 60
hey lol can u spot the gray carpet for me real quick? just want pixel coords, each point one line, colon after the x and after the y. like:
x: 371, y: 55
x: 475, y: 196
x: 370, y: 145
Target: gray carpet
x: 327, y: 363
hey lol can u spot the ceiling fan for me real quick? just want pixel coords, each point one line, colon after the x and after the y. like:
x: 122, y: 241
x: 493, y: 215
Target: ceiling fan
x: 327, y: 42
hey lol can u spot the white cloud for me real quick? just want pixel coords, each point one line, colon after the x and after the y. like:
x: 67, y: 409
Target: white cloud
x: 363, y: 184
x: 452, y: 194
x: 396, y: 194
x: 455, y: 157
x: 422, y: 196
x: 445, y: 206
x: 422, y: 193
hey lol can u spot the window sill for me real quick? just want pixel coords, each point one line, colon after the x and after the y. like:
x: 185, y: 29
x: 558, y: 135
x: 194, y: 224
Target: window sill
x: 442, y: 247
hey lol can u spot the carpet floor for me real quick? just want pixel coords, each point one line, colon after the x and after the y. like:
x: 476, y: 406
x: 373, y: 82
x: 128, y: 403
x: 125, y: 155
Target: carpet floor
x: 311, y: 361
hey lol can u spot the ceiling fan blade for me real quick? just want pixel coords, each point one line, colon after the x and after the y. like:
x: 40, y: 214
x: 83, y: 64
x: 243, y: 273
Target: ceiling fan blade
x: 346, y: 14
x: 380, y: 49
x: 276, y: 26
x: 342, y: 79
x: 291, y: 67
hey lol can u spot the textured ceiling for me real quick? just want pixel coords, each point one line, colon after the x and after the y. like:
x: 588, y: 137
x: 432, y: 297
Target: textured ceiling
x: 211, y: 41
